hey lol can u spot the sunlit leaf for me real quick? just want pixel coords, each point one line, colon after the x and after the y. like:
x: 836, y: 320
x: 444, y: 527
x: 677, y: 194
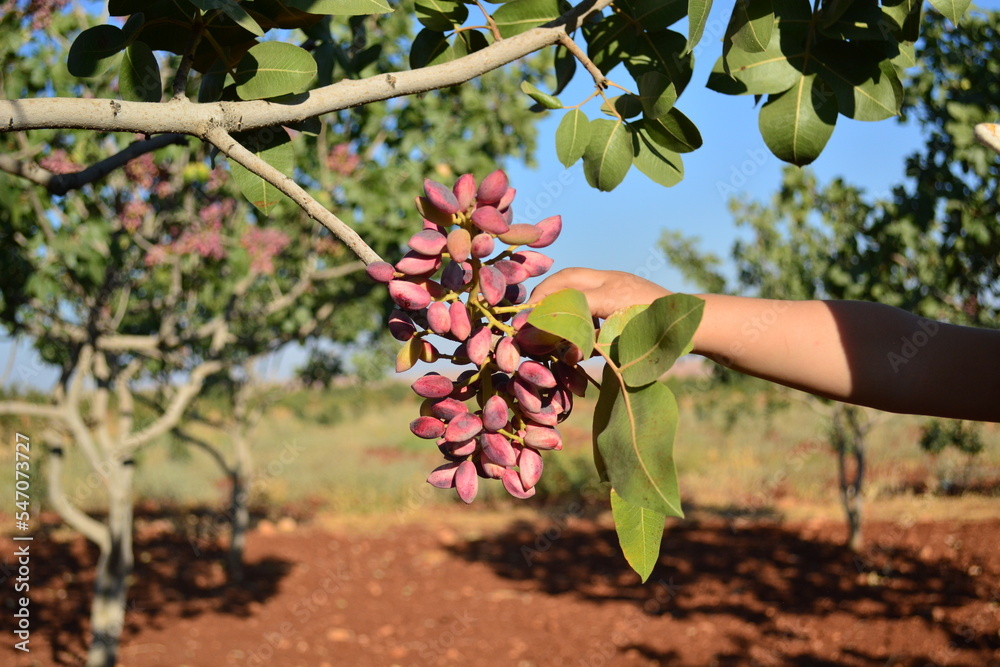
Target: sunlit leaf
x: 636, y: 444
x: 233, y: 10
x: 751, y: 25
x: 565, y: 314
x: 608, y: 155
x: 270, y: 69
x: 698, y: 11
x: 661, y: 165
x: 516, y: 17
x: 273, y: 146
x: 572, y: 137
x: 654, y: 339
x: 640, y: 532
x: 139, y: 75
x: 441, y: 15
x: 341, y: 7
x: 797, y: 124
x: 546, y: 100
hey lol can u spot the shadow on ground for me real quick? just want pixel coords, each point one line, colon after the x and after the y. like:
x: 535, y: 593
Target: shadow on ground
x: 767, y: 576
x: 179, y: 561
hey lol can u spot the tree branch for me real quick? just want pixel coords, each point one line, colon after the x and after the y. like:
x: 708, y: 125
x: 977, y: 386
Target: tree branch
x: 178, y: 404
x: 231, y: 148
x: 32, y: 409
x: 76, y: 518
x: 60, y: 184
x: 989, y: 135
x: 199, y: 119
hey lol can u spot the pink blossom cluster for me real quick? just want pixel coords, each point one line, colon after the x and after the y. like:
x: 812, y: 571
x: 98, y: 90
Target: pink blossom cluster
x: 216, y: 213
x: 142, y: 171
x: 134, y: 213
x: 206, y: 240
x: 40, y: 11
x: 342, y: 160
x: 264, y: 245
x: 58, y: 161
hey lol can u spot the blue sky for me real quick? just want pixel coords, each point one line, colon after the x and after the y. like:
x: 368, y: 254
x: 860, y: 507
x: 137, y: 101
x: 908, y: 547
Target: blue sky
x: 619, y: 229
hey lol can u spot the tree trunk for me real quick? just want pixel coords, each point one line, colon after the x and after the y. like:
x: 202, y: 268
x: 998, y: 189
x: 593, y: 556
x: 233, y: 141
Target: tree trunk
x: 239, y: 505
x: 849, y: 441
x: 114, y: 568
x: 240, y: 502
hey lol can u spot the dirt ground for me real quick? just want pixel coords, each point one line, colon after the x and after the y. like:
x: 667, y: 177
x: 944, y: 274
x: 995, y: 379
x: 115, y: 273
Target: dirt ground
x: 480, y: 590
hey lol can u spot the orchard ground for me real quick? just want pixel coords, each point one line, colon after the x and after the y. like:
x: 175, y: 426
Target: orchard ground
x: 353, y: 560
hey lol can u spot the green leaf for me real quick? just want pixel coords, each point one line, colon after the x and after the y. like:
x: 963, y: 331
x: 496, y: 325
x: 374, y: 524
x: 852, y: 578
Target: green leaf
x: 657, y: 337
x: 907, y: 56
x: 565, y: 314
x: 698, y: 11
x: 565, y: 68
x: 611, y: 329
x: 606, y: 42
x: 751, y: 25
x: 231, y: 9
x: 661, y: 51
x: 608, y: 155
x: 639, y: 533
x: 636, y: 444
x: 132, y: 26
x: 94, y: 50
x: 139, y: 75
x: 212, y: 82
x: 953, y: 9
x: 572, y: 137
x: 866, y: 87
x: 546, y: 100
x: 270, y: 69
x: 433, y: 48
x: 797, y: 124
x: 602, y: 415
x: 429, y: 48
x: 622, y: 106
x: 657, y: 93
x: 674, y: 131
x: 905, y: 14
x: 661, y: 165
x: 857, y: 21
x: 341, y: 7
x: 654, y: 14
x: 741, y: 72
x: 272, y: 145
x: 518, y: 16
x: 441, y: 15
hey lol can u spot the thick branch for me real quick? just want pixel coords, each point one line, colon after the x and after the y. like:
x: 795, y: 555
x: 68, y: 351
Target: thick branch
x: 76, y: 518
x: 199, y: 119
x: 32, y: 409
x: 234, y: 150
x: 60, y: 184
x: 168, y: 420
x: 989, y: 135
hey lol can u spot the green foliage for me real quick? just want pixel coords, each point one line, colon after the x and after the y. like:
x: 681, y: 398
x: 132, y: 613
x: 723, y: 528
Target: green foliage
x: 565, y: 314
x: 639, y: 532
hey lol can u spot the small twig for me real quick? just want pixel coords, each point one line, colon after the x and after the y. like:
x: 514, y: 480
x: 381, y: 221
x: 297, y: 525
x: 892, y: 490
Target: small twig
x: 599, y: 79
x: 184, y: 68
x: 232, y: 149
x: 489, y: 20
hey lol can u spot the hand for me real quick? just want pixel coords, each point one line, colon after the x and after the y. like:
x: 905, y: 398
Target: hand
x: 606, y: 291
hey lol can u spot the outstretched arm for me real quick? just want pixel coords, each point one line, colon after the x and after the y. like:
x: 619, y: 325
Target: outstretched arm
x: 864, y: 353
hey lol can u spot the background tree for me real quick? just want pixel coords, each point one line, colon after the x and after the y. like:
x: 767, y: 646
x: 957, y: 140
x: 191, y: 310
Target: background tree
x: 157, y: 272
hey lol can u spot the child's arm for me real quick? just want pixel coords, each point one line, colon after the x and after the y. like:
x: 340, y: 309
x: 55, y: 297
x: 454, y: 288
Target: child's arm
x: 863, y: 353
